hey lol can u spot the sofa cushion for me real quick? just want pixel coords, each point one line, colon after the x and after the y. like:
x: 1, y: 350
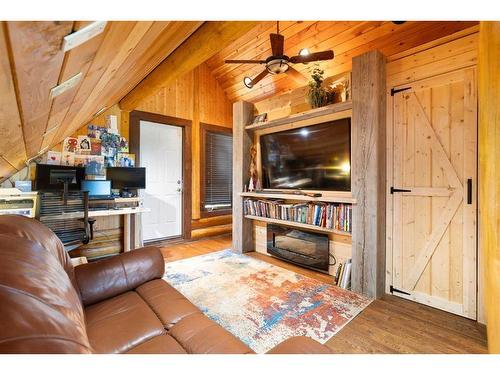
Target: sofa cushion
x: 163, y: 344
x: 199, y: 335
x: 40, y: 311
x: 110, y: 277
x: 120, y: 323
x: 35, y: 231
x: 168, y: 304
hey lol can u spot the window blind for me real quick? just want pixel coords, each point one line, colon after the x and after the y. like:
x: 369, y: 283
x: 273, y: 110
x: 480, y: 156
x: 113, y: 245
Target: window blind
x: 218, y: 182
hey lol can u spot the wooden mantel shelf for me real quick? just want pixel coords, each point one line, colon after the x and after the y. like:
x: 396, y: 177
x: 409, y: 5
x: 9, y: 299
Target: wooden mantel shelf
x: 295, y: 224
x: 316, y: 112
x: 338, y: 197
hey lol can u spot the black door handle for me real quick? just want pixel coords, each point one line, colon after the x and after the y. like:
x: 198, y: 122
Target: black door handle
x: 469, y: 191
x: 396, y: 190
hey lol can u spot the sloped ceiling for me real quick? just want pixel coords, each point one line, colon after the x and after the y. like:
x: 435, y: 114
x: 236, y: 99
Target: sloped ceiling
x: 32, y: 62
x: 346, y: 38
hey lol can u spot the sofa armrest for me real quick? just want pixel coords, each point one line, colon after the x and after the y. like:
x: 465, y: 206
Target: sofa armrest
x: 300, y: 345
x: 107, y: 278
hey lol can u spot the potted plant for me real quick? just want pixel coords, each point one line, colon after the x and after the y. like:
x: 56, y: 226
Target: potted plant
x: 318, y: 96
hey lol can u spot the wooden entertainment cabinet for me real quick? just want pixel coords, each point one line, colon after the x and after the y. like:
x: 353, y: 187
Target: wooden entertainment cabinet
x: 366, y: 244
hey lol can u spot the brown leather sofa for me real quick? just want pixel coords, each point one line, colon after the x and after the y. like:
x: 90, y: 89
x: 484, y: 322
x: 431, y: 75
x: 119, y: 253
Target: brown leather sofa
x: 117, y: 305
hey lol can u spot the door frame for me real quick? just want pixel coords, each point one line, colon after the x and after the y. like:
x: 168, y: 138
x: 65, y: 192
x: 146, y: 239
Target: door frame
x: 390, y: 182
x: 186, y: 125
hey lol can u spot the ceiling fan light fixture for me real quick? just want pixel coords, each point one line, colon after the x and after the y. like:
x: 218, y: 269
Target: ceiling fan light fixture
x: 277, y: 66
x: 304, y: 52
x: 247, y: 81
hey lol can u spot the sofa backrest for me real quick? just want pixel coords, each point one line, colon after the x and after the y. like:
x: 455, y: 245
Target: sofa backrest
x: 40, y: 309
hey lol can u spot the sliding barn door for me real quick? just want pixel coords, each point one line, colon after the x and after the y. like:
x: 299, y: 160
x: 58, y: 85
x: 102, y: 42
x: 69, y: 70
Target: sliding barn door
x: 434, y: 192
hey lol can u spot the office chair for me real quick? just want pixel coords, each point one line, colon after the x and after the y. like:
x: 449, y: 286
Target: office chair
x: 66, y: 213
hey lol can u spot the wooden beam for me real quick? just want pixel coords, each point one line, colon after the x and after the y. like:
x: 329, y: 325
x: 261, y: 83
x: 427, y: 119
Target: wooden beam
x: 203, y: 44
x: 242, y: 228
x: 489, y: 174
x: 368, y: 173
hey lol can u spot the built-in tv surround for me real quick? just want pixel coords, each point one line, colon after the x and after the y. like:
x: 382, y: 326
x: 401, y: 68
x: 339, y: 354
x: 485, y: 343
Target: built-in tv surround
x: 316, y: 157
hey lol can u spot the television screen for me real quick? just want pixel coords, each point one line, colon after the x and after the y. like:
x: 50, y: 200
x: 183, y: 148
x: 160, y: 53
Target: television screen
x: 53, y: 177
x: 126, y: 177
x: 316, y: 157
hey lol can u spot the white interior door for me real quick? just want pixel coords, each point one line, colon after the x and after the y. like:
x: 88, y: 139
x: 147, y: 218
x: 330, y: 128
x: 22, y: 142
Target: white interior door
x: 161, y: 154
x: 434, y: 209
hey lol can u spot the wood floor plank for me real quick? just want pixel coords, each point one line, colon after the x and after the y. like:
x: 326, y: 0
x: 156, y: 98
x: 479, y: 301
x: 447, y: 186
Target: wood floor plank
x: 388, y: 325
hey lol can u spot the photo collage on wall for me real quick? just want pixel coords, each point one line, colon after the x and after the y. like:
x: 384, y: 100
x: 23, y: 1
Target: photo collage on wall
x: 102, y: 147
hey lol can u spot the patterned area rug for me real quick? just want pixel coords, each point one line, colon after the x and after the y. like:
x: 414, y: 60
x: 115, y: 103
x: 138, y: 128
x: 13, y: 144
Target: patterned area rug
x: 260, y: 303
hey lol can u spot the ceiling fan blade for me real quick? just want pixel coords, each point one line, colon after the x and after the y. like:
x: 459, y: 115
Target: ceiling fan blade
x: 259, y: 77
x: 316, y: 56
x: 277, y: 42
x: 245, y: 61
x: 296, y: 76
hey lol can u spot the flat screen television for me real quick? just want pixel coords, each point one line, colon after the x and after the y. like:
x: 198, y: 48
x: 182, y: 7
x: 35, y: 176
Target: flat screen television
x: 126, y: 178
x: 53, y: 177
x: 316, y: 157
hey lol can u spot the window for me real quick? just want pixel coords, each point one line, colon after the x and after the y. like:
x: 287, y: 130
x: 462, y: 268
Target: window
x: 216, y: 170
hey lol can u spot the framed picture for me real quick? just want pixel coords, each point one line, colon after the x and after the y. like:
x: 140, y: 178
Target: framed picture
x: 68, y: 158
x: 126, y: 160
x: 70, y: 144
x: 54, y: 157
x: 260, y: 118
x: 83, y: 144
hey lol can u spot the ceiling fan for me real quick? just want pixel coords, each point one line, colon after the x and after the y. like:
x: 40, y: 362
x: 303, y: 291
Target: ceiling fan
x: 280, y: 63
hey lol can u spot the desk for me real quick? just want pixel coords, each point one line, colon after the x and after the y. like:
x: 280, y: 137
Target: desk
x: 129, y: 236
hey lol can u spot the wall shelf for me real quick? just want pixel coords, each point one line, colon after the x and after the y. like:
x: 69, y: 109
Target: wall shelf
x: 298, y: 225
x: 338, y: 197
x: 316, y: 112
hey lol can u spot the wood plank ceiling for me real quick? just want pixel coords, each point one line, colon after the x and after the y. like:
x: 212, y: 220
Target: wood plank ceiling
x: 346, y: 38
x: 32, y: 62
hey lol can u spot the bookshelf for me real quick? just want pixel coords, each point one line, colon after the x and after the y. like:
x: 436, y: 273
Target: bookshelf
x: 295, y: 224
x: 338, y: 197
x: 366, y: 245
x: 316, y: 112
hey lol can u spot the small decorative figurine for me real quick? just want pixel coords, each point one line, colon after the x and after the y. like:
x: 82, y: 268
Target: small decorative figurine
x: 253, y: 169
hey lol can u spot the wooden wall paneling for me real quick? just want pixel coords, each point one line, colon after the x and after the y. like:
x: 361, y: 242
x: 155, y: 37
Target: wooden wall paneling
x: 211, y: 36
x: 368, y: 173
x: 174, y: 99
x: 37, y: 62
x: 75, y: 61
x: 214, y: 106
x: 242, y: 141
x: 489, y: 171
x: 433, y: 43
x: 12, y: 147
x: 454, y: 55
x: 114, y: 39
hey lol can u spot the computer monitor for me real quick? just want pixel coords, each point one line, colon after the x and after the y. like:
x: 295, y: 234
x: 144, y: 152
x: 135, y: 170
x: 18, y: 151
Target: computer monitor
x: 55, y: 177
x: 124, y: 178
x: 98, y: 189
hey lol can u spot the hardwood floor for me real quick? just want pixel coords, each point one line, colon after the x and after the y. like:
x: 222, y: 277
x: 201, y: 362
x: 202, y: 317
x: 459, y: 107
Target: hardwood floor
x: 387, y: 325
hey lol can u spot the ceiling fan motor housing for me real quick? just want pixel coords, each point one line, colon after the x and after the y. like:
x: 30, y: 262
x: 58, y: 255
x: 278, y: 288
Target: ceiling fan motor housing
x: 277, y: 64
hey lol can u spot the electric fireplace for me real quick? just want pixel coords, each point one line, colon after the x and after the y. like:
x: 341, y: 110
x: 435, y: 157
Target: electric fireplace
x: 303, y: 248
